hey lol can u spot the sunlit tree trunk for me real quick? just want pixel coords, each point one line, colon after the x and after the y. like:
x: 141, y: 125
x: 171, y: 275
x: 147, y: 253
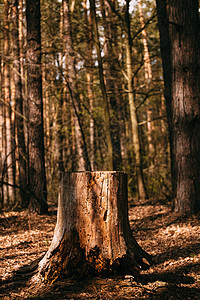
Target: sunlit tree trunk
x: 134, y: 121
x: 19, y: 106
x: 111, y: 79
x: 46, y: 113
x: 53, y: 138
x: 73, y: 141
x: 20, y: 35
x: 37, y: 176
x: 22, y: 41
x: 1, y: 121
x: 180, y: 48
x: 13, y: 125
x: 148, y: 77
x: 60, y: 135
x: 91, y: 101
x: 147, y: 62
x: 60, y: 108
x: 7, y: 99
x: 109, y: 156
x: 71, y: 81
x: 89, y: 77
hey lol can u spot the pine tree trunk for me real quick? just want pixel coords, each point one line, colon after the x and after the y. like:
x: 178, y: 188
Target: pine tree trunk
x: 179, y: 32
x: 19, y: 106
x: 134, y: 121
x: 148, y: 78
x: 92, y: 234
x: 1, y: 130
x: 71, y: 81
x: 89, y: 77
x: 37, y: 176
x: 109, y: 156
x: 60, y: 135
x: 91, y: 103
x: 7, y: 99
x: 111, y: 80
x: 134, y: 126
x: 147, y: 62
x: 186, y: 103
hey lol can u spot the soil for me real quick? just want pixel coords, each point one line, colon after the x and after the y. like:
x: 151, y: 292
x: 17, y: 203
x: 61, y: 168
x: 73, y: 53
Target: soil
x: 172, y: 240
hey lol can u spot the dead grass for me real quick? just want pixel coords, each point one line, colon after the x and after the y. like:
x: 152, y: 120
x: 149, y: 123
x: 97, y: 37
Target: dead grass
x: 173, y: 241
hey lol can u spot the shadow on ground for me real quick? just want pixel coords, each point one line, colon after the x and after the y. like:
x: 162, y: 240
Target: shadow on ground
x: 174, y: 275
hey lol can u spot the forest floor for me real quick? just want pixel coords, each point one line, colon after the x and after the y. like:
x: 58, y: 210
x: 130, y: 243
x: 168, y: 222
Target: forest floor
x: 173, y: 241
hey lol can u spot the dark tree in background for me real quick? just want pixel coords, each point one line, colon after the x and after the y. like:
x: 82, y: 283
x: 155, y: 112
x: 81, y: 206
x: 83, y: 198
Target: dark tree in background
x: 37, y: 178
x: 179, y: 25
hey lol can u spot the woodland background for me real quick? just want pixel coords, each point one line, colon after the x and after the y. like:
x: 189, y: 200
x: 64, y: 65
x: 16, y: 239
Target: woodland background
x: 102, y: 96
x: 82, y: 88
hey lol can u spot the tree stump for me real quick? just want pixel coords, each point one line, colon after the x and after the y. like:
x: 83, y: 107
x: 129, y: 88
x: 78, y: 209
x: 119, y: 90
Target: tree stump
x: 92, y: 234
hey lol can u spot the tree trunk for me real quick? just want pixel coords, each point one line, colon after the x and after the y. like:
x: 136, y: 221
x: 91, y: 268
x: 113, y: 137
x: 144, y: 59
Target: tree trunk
x: 7, y: 94
x: 89, y: 78
x: 91, y: 103
x: 165, y: 46
x: 179, y: 21
x: 148, y: 78
x: 111, y: 80
x: 19, y: 105
x: 37, y: 176
x: 147, y: 62
x: 134, y: 121
x: 135, y: 130
x: 92, y: 234
x: 71, y: 81
x: 109, y: 156
x: 60, y: 135
x: 1, y: 129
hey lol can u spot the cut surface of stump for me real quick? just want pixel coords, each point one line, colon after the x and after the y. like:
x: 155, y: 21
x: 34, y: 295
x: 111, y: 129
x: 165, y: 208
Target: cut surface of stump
x: 92, y: 234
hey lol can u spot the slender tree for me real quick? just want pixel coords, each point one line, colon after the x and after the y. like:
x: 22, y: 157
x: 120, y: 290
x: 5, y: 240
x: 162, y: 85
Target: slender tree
x: 19, y: 104
x: 109, y: 156
x: 37, y: 177
x: 148, y: 78
x: 111, y: 79
x: 133, y: 114
x: 90, y: 80
x: 83, y: 159
x: 1, y: 123
x: 179, y: 24
x: 8, y: 161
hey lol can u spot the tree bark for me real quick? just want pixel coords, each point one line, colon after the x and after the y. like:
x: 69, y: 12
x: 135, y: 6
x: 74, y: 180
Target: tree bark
x: 134, y: 121
x: 111, y: 80
x: 60, y: 135
x: 92, y: 234
x: 165, y: 46
x: 109, y: 156
x: 37, y: 176
x: 148, y: 78
x: 19, y: 106
x: 71, y: 81
x: 7, y: 98
x: 179, y: 30
x: 90, y: 81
